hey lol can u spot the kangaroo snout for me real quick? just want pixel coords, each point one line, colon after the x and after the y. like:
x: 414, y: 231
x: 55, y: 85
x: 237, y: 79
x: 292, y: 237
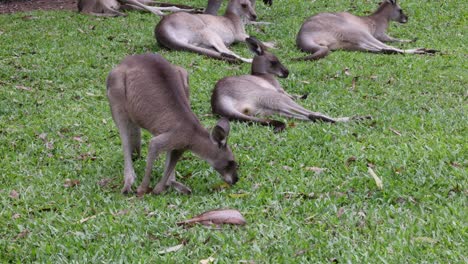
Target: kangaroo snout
x: 231, y: 179
x: 284, y: 73
x: 403, y: 19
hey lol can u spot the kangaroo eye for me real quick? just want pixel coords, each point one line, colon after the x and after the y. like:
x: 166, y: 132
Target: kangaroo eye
x: 244, y: 5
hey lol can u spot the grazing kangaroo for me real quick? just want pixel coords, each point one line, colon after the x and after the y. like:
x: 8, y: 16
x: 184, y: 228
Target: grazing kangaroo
x: 207, y: 34
x: 243, y: 97
x: 113, y: 7
x: 146, y: 91
x: 325, y: 32
x: 214, y: 5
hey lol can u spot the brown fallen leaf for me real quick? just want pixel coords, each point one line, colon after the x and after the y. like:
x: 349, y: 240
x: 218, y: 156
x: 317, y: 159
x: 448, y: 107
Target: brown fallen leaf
x: 208, y: 260
x: 23, y: 88
x: 287, y: 168
x: 216, y: 217
x: 395, y: 131
x: 14, y: 194
x: 81, y: 31
x: 350, y: 160
x: 70, y: 183
x: 22, y: 234
x: 15, y: 216
x: 377, y: 180
x: 291, y: 124
x: 300, y: 252
x: 171, y: 249
x: 89, y: 218
x: 78, y: 138
x: 317, y: 170
x: 121, y: 212
x: 43, y: 136
x: 455, y: 164
x: 425, y: 239
x: 340, y: 212
x: 238, y: 195
x: 353, y: 85
x: 104, y: 182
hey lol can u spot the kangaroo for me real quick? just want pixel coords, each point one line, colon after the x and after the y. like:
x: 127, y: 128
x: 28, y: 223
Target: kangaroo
x: 113, y: 7
x: 214, y: 5
x: 207, y: 34
x: 243, y: 97
x: 325, y: 32
x: 146, y: 91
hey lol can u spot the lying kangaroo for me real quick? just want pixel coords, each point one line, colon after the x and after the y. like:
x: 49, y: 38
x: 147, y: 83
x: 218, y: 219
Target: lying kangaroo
x: 243, y: 97
x: 324, y: 32
x: 146, y: 91
x: 214, y: 5
x: 207, y: 34
x: 113, y: 7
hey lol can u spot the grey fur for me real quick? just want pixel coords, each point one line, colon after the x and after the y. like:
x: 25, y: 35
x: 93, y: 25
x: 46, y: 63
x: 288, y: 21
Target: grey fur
x: 207, y: 34
x: 146, y: 91
x: 113, y: 7
x: 246, y: 96
x: 325, y: 32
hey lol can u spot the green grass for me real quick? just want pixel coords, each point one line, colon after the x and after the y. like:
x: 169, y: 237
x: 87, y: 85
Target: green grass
x: 55, y: 124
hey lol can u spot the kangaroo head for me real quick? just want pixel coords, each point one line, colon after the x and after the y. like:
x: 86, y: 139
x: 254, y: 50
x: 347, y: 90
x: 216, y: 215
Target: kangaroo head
x: 242, y: 8
x: 265, y: 62
x: 396, y: 13
x: 223, y: 159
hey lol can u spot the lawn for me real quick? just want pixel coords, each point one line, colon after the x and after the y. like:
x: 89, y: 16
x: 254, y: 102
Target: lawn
x: 62, y: 165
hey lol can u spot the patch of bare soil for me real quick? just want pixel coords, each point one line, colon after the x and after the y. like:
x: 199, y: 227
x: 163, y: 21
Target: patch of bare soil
x: 12, y: 6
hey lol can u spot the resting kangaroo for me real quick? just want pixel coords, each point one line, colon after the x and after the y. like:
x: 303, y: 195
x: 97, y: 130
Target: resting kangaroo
x: 206, y: 34
x: 214, y: 5
x: 113, y: 7
x: 325, y: 32
x: 146, y: 91
x: 243, y: 97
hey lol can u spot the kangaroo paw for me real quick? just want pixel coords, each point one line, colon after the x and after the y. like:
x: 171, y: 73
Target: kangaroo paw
x: 126, y: 190
x: 278, y: 126
x: 181, y: 188
x: 361, y: 118
x: 143, y: 190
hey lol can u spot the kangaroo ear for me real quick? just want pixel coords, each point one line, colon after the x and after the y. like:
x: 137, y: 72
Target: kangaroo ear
x: 220, y: 132
x: 393, y: 2
x: 255, y: 46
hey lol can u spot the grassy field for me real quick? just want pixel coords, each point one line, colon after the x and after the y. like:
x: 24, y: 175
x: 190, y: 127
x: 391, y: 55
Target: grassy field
x: 62, y: 166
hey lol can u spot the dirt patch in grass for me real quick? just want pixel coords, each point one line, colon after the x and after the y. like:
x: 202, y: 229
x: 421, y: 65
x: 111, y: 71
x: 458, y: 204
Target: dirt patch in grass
x: 12, y: 6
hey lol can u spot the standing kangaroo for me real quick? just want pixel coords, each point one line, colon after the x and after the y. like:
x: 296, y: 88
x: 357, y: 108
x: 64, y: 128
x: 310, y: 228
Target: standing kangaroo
x: 146, y: 91
x: 113, y: 7
x: 243, y: 97
x: 207, y: 34
x: 325, y: 32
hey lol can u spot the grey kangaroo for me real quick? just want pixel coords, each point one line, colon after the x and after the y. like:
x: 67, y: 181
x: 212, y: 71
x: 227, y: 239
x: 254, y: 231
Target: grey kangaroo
x: 325, y: 32
x: 146, y: 91
x: 207, y: 34
x: 243, y: 97
x: 214, y: 5
x: 114, y: 7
